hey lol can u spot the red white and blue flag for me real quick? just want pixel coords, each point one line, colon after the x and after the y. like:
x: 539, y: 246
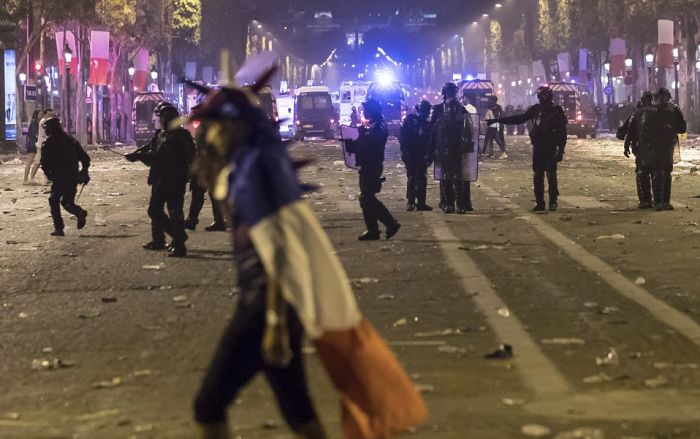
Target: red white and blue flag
x: 99, y: 58
x: 378, y: 399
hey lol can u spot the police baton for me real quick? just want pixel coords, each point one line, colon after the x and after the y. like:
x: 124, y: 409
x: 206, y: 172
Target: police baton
x: 81, y: 191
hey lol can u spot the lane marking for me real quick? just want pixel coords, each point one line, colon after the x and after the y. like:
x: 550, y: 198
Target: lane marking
x: 538, y: 372
x: 656, y: 307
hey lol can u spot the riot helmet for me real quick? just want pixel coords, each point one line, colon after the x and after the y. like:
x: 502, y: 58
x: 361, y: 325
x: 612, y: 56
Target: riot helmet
x: 372, y: 109
x: 423, y: 108
x: 52, y: 126
x: 166, y: 114
x: 545, y: 94
x: 664, y: 95
x: 646, y: 100
x: 449, y: 90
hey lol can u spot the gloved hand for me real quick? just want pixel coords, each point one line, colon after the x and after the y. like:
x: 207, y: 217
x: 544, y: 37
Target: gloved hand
x: 627, y: 151
x: 132, y: 156
x: 560, y: 156
x: 84, y: 177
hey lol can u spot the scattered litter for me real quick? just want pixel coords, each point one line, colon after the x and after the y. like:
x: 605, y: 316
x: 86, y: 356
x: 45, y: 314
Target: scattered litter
x: 51, y: 364
x: 270, y: 425
x: 590, y: 304
x: 597, y: 378
x: 11, y: 415
x: 535, y: 430
x: 583, y: 433
x: 610, y: 359
x: 425, y: 388
x: 97, y: 415
x: 143, y: 427
x: 452, y: 350
x: 142, y: 373
x: 386, y: 297
x: 89, y: 314
x: 400, y: 322
x: 608, y: 310
x: 656, y: 382
x: 179, y: 298
x: 686, y: 366
x: 563, y: 341
x: 116, y: 381
x: 23, y: 315
x: 366, y: 280
x: 504, y: 312
x: 158, y: 266
x: 613, y: 236
x: 114, y: 194
x: 109, y: 299
x: 438, y: 333
x: 640, y: 281
x: 660, y: 365
x: 339, y: 163
x: 512, y: 401
x: 502, y: 352
x: 419, y: 343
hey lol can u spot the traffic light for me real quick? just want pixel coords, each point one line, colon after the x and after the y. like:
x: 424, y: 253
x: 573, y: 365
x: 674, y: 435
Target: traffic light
x: 37, y: 67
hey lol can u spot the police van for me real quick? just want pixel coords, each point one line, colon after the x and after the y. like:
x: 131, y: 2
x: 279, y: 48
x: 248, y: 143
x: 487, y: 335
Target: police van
x: 314, y: 113
x: 480, y: 92
x: 391, y: 97
x: 352, y: 94
x: 577, y: 102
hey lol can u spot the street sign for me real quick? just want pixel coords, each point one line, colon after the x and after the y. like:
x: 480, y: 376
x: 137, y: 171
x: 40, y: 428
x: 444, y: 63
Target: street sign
x: 30, y: 93
x: 608, y: 90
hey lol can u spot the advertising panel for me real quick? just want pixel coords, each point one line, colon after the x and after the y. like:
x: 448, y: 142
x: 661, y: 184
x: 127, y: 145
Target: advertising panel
x: 10, y: 109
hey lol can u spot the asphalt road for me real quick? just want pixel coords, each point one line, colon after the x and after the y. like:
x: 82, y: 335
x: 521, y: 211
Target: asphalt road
x: 599, y: 301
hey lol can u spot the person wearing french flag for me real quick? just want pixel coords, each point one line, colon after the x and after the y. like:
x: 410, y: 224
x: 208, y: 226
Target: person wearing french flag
x: 291, y: 285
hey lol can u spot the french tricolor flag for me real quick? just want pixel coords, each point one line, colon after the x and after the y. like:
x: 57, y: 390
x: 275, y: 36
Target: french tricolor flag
x: 378, y: 398
x: 99, y: 57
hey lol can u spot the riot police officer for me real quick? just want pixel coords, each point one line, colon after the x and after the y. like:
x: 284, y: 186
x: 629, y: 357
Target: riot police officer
x: 60, y: 155
x: 548, y: 137
x: 415, y: 153
x: 169, y: 156
x: 670, y: 123
x: 449, y: 156
x: 369, y: 150
x: 630, y: 133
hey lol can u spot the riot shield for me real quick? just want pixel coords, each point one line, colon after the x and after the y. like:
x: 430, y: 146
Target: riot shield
x: 347, y: 134
x: 460, y: 162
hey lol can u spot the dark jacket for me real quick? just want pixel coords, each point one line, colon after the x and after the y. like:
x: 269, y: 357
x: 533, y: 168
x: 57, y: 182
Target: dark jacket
x: 438, y: 111
x: 169, y: 154
x: 60, y: 155
x: 548, y: 133
x: 369, y: 147
x: 32, y: 136
x: 414, y: 139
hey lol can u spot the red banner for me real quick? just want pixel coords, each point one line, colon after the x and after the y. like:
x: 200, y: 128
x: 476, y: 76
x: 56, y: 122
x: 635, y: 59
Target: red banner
x: 99, y: 58
x: 664, y: 51
x: 141, y: 69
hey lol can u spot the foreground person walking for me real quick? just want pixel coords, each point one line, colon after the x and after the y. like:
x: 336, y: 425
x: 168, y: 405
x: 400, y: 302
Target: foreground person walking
x: 60, y: 157
x: 292, y: 285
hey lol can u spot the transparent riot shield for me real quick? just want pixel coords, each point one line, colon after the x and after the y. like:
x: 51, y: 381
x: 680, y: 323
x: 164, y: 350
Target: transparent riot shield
x: 347, y: 134
x: 462, y: 162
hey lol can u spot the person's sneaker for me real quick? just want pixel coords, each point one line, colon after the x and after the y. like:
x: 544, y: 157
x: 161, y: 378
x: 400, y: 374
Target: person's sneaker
x: 503, y: 156
x: 367, y: 236
x: 539, y: 207
x: 410, y: 207
x: 392, y: 230
x: 645, y: 205
x: 215, y: 227
x: 177, y: 251
x: 553, y: 206
x: 82, y: 219
x: 154, y: 245
x: 58, y: 232
x: 191, y: 223
x: 423, y: 208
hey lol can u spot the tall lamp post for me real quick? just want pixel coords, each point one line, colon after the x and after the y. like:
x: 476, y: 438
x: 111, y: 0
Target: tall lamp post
x: 128, y: 129
x: 676, y: 60
x: 611, y: 89
x: 68, y: 57
x: 649, y: 58
x: 628, y: 69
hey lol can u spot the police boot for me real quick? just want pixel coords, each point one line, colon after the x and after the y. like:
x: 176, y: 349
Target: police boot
x: 213, y: 431
x: 177, y: 250
x: 643, y: 190
x: 411, y: 194
x: 82, y: 218
x: 216, y: 227
x: 553, y: 188
x: 154, y: 245
x: 421, y: 193
x: 657, y: 186
x: 442, y: 204
x: 538, y: 182
x: 667, y: 191
x: 449, y: 202
x: 191, y: 223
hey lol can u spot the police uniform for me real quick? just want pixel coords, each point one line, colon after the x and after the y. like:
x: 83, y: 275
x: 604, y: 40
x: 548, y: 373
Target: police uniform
x: 415, y: 153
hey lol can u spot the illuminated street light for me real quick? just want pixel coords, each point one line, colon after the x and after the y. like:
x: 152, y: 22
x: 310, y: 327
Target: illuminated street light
x: 154, y: 73
x: 131, y: 70
x: 649, y: 58
x: 22, y: 77
x: 628, y: 64
x: 484, y: 15
x: 498, y: 5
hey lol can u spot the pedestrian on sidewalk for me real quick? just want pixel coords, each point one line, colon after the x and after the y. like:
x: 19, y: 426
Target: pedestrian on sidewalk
x: 59, y: 160
x: 369, y: 150
x: 548, y: 137
x: 30, y: 146
x: 291, y: 284
x: 414, y: 140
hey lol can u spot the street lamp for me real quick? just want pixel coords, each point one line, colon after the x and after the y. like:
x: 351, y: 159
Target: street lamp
x: 68, y: 57
x: 676, y: 60
x: 609, y: 87
x: 649, y: 58
x: 154, y: 73
x: 22, y: 78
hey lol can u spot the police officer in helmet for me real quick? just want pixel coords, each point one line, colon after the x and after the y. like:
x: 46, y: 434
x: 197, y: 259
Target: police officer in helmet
x: 169, y: 156
x: 415, y: 153
x: 548, y: 137
x: 670, y: 123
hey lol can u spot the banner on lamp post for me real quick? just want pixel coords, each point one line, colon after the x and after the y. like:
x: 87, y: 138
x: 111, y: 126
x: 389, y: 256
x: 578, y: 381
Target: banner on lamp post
x: 140, y: 69
x: 99, y: 58
x: 617, y: 57
x: 60, y: 47
x: 664, y: 50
